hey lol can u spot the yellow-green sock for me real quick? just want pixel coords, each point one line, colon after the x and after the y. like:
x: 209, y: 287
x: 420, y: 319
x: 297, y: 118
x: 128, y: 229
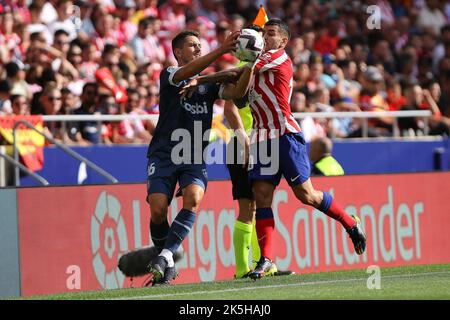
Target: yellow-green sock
x: 242, y: 237
x: 256, y: 252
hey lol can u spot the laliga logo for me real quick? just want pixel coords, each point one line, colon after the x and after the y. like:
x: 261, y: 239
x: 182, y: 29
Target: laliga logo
x: 108, y: 241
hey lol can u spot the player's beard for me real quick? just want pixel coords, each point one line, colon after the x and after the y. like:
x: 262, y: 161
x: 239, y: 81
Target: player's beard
x: 268, y: 47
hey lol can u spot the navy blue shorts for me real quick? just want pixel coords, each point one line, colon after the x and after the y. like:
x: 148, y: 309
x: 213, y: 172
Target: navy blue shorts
x: 163, y: 175
x: 290, y: 160
x: 241, y: 188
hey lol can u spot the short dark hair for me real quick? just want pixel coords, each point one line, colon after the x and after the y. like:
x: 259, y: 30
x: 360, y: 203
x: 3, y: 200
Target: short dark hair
x: 140, y: 72
x: 131, y: 91
x: 60, y: 32
x: 12, y: 69
x: 445, y: 28
x: 177, y: 42
x: 61, y: 2
x: 144, y: 23
x: 284, y: 28
x: 343, y: 63
x: 109, y: 47
x: 429, y: 83
x: 35, y: 6
x: 255, y: 27
x: 35, y: 36
x: 407, y: 85
x: 90, y: 84
x: 222, y: 26
x: 5, y: 86
x: 66, y: 90
x: 14, y: 97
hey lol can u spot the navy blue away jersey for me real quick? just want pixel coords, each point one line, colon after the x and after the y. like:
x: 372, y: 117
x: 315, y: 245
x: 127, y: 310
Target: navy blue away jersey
x: 182, y: 118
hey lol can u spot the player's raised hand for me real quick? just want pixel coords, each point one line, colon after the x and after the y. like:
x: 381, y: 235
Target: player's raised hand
x: 427, y: 94
x: 189, y: 89
x: 229, y: 45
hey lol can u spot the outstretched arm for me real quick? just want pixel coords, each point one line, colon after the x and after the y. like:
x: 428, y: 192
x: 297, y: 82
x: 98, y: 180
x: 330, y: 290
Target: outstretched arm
x: 232, y: 90
x: 238, y: 90
x: 230, y: 75
x: 224, y: 76
x: 433, y: 105
x: 198, y: 65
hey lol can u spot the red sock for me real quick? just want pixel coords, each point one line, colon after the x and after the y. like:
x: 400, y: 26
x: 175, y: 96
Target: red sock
x: 337, y: 213
x: 264, y: 229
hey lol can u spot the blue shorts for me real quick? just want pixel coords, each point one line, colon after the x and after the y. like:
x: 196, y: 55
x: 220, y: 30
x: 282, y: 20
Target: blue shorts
x: 290, y: 160
x: 163, y: 175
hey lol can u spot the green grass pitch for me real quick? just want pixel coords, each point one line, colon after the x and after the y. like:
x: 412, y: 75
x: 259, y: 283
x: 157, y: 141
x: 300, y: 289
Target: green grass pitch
x: 403, y: 283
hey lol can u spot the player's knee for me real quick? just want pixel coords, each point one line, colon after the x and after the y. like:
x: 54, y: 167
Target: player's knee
x: 263, y: 197
x: 158, y: 213
x: 252, y: 208
x: 306, y: 198
x: 192, y: 199
x: 246, y: 212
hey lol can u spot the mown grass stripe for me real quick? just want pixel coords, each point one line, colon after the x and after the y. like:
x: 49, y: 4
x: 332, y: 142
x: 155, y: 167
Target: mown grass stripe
x: 319, y: 282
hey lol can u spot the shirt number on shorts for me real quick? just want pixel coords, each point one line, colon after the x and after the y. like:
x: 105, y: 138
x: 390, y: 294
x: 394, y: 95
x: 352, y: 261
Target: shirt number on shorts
x: 151, y: 169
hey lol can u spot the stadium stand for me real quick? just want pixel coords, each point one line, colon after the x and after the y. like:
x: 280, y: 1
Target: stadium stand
x: 342, y: 62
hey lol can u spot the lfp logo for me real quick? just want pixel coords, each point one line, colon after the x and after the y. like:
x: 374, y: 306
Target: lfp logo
x: 108, y: 241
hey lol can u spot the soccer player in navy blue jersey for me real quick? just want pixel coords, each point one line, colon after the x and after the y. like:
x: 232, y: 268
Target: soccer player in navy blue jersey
x: 173, y: 160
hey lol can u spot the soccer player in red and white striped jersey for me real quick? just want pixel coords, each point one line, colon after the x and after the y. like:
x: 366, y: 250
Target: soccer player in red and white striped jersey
x: 278, y: 147
x: 276, y: 130
x: 271, y: 92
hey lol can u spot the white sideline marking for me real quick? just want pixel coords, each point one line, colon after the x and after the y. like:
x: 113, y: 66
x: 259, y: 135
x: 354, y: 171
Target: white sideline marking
x: 168, y: 295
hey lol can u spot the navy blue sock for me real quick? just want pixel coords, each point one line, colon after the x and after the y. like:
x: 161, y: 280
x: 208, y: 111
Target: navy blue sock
x: 179, y: 229
x: 264, y: 213
x: 159, y: 233
x: 326, y: 202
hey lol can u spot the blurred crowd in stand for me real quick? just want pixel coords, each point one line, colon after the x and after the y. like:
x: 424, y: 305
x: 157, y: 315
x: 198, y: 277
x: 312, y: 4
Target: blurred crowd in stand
x: 347, y: 56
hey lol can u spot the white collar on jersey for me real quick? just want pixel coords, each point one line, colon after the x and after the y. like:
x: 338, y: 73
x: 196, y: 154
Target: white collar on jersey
x: 275, y: 50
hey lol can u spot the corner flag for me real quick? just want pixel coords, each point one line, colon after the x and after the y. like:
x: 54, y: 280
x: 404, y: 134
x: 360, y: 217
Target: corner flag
x: 261, y: 17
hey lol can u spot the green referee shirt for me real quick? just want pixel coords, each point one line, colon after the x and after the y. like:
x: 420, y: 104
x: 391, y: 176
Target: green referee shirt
x: 328, y: 166
x: 245, y: 112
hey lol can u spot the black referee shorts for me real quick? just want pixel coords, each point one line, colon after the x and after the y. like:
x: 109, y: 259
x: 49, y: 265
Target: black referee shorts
x: 238, y: 174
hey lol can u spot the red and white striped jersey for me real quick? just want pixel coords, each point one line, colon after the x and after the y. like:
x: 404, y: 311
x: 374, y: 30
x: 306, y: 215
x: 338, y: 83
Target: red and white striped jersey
x: 270, y: 94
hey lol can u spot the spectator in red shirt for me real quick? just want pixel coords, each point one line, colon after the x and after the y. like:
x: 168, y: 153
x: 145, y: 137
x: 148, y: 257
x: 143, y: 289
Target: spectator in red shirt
x: 125, y: 10
x: 395, y: 99
x: 9, y: 40
x: 328, y: 42
x: 146, y: 45
x: 132, y: 130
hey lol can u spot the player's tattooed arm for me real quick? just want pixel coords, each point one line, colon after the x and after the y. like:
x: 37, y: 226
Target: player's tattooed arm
x: 241, y: 102
x: 238, y: 90
x: 231, y: 75
x: 224, y: 76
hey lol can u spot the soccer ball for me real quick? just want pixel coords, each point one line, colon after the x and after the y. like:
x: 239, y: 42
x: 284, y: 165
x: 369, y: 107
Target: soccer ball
x: 250, y: 45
